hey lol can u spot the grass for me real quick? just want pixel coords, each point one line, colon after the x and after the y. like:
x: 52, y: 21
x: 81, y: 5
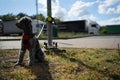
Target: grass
x: 74, y: 64
x: 71, y: 35
x: 66, y: 35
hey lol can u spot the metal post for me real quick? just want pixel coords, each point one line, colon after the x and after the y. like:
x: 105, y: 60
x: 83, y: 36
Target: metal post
x: 37, y: 16
x: 36, y: 8
x: 49, y: 27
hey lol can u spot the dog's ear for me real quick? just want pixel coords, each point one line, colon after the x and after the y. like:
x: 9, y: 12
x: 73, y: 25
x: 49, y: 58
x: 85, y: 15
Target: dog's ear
x: 27, y: 20
x: 18, y: 25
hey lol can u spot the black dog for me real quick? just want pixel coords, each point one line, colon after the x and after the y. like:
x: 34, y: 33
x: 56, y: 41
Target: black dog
x: 30, y: 42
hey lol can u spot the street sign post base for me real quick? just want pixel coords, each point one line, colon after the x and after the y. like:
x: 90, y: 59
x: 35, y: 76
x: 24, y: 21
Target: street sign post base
x: 53, y: 48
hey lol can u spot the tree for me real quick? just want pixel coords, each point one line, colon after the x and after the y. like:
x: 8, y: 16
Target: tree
x: 103, y: 30
x: 57, y: 20
x: 39, y: 17
x: 8, y: 17
x: 21, y: 15
x: 11, y: 17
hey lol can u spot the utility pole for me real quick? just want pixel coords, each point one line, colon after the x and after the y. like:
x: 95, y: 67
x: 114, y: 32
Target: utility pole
x: 49, y: 25
x: 36, y: 8
x: 37, y: 16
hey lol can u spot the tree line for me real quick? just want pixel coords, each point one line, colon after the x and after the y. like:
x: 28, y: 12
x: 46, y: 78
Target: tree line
x: 11, y: 17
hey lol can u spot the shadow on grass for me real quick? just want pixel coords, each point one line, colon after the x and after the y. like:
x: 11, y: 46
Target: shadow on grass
x: 104, y: 72
x: 41, y: 71
x: 8, y: 70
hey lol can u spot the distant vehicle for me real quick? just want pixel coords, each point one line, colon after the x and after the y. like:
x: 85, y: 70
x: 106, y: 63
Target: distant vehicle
x: 112, y: 29
x: 83, y: 26
x: 92, y: 27
x: 11, y: 28
x: 1, y: 27
x: 37, y: 26
x: 8, y: 28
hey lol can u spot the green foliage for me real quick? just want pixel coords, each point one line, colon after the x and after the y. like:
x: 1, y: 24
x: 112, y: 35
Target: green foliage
x: 11, y: 17
x: 57, y: 20
x: 21, y: 15
x: 18, y: 76
x: 8, y: 17
x: 71, y: 35
x: 39, y: 17
x: 103, y: 30
x: 65, y: 35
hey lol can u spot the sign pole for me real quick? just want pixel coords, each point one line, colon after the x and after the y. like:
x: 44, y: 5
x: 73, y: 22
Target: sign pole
x: 49, y: 26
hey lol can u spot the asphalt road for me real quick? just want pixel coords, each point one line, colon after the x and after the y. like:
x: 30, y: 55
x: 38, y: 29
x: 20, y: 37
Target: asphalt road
x: 107, y: 42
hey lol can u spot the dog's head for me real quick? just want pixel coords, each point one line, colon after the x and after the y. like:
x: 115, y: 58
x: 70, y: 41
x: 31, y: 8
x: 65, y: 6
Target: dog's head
x: 25, y: 24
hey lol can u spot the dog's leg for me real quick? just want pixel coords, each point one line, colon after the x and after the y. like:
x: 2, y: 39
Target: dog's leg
x: 21, y: 54
x: 31, y: 57
x: 31, y: 52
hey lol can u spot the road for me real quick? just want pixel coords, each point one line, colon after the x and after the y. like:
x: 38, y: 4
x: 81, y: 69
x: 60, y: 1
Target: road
x: 107, y: 42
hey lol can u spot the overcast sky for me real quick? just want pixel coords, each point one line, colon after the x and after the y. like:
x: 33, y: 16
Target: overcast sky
x: 105, y: 12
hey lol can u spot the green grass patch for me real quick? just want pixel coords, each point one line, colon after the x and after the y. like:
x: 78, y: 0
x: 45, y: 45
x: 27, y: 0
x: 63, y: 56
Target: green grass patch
x: 74, y: 64
x: 66, y: 35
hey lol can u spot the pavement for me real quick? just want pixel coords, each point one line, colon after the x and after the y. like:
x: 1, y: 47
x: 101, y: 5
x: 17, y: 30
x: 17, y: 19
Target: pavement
x: 106, y: 42
x: 9, y: 38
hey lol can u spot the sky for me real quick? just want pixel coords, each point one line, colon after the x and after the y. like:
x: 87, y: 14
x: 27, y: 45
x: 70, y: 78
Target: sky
x: 104, y: 12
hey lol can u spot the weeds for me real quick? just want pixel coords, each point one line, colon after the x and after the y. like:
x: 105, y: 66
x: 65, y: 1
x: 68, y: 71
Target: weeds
x: 74, y: 64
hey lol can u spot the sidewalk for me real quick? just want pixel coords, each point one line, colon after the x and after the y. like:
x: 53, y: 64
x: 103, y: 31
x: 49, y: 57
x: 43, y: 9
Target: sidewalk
x: 9, y: 38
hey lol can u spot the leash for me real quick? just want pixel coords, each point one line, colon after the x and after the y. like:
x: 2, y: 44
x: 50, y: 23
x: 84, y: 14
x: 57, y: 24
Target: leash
x: 37, y: 36
x: 50, y: 20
